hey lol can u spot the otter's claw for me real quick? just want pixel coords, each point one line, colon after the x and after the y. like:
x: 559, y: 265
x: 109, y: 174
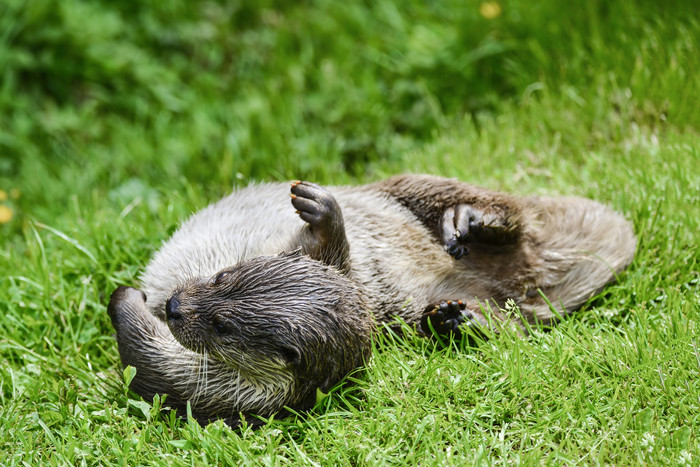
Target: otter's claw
x: 449, y: 318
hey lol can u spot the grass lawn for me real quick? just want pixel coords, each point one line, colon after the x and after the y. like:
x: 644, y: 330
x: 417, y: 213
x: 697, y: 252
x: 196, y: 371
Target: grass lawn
x: 119, y: 119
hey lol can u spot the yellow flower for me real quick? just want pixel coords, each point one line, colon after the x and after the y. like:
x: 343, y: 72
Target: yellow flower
x: 490, y: 10
x: 3, y: 195
x: 14, y: 193
x: 5, y: 214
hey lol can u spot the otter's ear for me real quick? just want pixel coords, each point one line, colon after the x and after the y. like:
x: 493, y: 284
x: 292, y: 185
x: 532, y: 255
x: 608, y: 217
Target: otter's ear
x: 296, y: 253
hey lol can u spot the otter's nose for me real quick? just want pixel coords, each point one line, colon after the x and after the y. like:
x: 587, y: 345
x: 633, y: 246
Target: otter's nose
x: 171, y: 309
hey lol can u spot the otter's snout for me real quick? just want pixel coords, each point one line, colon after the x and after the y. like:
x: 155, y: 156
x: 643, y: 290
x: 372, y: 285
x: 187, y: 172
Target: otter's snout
x: 171, y: 309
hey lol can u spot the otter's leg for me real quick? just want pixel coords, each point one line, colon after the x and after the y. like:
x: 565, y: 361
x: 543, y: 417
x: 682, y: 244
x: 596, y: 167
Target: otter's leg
x: 146, y: 343
x: 457, y: 213
x: 326, y: 241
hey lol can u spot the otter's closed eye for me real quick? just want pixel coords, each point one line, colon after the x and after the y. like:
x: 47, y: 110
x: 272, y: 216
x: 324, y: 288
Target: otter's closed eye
x: 220, y: 277
x: 221, y: 328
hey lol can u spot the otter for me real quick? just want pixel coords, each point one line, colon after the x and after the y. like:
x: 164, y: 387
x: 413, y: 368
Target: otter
x: 253, y: 305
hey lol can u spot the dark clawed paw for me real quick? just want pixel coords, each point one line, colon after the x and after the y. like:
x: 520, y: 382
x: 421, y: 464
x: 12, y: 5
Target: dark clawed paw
x: 459, y: 226
x: 319, y: 209
x: 450, y: 318
x: 444, y: 318
x: 313, y: 203
x: 464, y: 224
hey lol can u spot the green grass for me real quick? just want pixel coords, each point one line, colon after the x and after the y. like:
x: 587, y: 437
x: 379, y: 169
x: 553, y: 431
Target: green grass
x: 117, y: 120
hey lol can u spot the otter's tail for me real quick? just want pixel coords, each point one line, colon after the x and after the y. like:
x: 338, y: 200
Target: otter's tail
x: 583, y: 245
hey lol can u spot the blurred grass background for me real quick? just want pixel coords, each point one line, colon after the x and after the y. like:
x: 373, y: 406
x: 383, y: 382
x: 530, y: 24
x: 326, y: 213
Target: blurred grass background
x: 118, y: 119
x: 94, y: 92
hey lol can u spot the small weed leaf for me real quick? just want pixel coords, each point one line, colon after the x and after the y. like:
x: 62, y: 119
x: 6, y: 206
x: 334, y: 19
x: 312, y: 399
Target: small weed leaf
x: 141, y: 407
x: 320, y: 396
x: 681, y: 438
x: 180, y: 443
x: 643, y: 420
x: 129, y: 373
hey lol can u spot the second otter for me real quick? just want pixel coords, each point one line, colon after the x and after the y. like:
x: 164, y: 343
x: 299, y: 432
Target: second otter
x: 253, y: 306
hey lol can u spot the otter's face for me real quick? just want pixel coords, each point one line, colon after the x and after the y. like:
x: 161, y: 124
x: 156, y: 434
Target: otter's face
x: 276, y: 314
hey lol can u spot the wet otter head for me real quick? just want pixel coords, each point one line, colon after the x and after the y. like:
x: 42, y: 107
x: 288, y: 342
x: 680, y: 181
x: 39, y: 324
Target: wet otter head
x: 284, y: 324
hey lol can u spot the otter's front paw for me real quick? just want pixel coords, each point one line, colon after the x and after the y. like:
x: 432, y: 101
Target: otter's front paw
x: 464, y: 224
x: 327, y: 242
x: 449, y: 318
x: 315, y: 205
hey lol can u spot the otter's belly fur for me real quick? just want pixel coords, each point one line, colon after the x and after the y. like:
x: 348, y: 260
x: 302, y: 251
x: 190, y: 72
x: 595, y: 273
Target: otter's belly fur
x: 254, y: 304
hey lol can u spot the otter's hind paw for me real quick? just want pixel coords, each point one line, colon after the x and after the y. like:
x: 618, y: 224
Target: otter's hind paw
x: 450, y: 318
x: 464, y: 224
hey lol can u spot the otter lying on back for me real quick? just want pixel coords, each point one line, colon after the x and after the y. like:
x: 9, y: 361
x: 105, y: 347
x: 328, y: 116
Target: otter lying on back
x: 253, y: 307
